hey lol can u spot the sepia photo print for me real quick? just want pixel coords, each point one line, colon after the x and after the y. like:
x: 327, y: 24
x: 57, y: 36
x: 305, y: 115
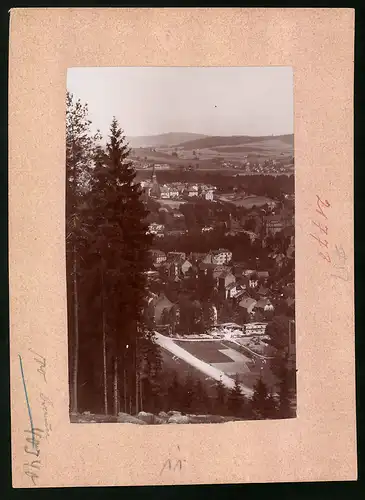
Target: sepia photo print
x: 180, y: 244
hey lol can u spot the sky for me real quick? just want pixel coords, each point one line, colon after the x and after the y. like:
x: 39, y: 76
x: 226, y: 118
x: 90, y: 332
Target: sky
x: 206, y: 100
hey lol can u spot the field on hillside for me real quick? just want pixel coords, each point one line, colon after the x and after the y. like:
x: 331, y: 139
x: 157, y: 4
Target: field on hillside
x: 247, y: 201
x: 203, y: 152
x: 236, y: 140
x: 269, y: 147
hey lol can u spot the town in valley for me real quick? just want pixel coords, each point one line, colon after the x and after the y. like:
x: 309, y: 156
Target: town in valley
x: 221, y: 270
x: 180, y: 246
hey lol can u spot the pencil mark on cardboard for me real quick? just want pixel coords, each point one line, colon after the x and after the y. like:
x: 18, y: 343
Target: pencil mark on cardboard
x: 333, y: 254
x: 173, y: 464
x: 41, y: 361
x: 34, y: 435
x: 27, y: 401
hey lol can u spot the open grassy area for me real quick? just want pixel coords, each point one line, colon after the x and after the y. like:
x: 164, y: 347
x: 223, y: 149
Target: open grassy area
x: 209, y: 352
x: 248, y: 370
x: 183, y: 369
x: 171, y: 203
x: 245, y: 201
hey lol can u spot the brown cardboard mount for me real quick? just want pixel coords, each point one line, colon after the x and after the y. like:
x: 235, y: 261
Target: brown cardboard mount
x: 318, y: 445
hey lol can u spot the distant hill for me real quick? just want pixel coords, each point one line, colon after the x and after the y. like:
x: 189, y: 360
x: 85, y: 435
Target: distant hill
x: 170, y: 139
x: 212, y: 142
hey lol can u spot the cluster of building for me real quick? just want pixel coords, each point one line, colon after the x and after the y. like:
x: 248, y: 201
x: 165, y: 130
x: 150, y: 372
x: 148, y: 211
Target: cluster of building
x: 251, y: 292
x: 160, y: 230
x: 229, y: 281
x: 181, y: 191
x: 143, y: 164
x: 269, y: 166
x: 261, y: 226
x: 176, y: 190
x: 264, y: 224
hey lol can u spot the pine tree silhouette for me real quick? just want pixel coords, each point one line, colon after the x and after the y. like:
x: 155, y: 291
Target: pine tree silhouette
x: 235, y: 400
x: 259, y: 399
x: 188, y: 394
x: 174, y: 394
x: 220, y: 404
x: 201, y: 403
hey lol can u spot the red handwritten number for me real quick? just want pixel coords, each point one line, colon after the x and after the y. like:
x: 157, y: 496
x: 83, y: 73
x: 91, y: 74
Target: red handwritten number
x: 324, y: 229
x: 324, y: 243
x: 343, y: 278
x: 341, y: 253
x: 320, y: 204
x: 325, y: 256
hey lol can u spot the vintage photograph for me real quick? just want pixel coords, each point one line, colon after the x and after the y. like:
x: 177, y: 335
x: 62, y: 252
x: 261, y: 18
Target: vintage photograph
x: 180, y: 244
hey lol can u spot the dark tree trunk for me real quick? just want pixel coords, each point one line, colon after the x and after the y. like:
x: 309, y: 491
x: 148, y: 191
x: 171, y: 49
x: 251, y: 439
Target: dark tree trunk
x: 74, y: 400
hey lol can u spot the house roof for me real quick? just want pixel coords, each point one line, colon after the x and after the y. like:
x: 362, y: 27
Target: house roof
x: 220, y: 270
x: 262, y: 303
x: 219, y: 274
x: 250, y: 233
x: 248, y: 272
x: 163, y: 301
x: 290, y: 252
x: 263, y: 274
x: 176, y: 232
x: 230, y: 286
x: 147, y: 183
x: 157, y: 252
x: 247, y: 302
x: 280, y: 256
x: 207, y: 259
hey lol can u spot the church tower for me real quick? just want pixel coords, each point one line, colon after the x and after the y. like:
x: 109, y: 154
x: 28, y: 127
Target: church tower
x: 155, y: 190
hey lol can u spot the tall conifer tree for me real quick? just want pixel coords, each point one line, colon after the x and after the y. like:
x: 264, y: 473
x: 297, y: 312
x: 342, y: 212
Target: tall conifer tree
x: 79, y: 162
x: 235, y: 400
x: 121, y: 242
